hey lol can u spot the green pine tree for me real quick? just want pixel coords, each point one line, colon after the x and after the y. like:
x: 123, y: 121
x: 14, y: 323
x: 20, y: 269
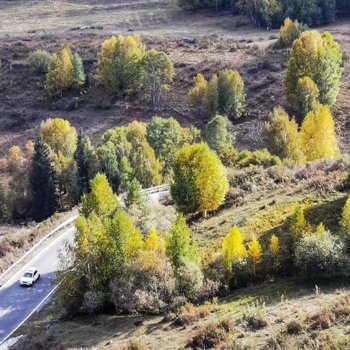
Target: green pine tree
x: 134, y: 193
x: 87, y: 162
x: 52, y: 86
x: 3, y: 206
x: 79, y: 76
x: 42, y: 179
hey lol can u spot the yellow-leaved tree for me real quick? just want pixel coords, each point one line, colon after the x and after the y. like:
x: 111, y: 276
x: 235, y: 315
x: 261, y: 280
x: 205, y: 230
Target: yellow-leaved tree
x: 155, y: 243
x: 345, y: 220
x: 283, y: 136
x: 66, y: 68
x: 320, y: 228
x: 255, y: 253
x: 318, y: 136
x: 198, y: 96
x: 233, y: 250
x: 274, y: 250
x: 299, y: 225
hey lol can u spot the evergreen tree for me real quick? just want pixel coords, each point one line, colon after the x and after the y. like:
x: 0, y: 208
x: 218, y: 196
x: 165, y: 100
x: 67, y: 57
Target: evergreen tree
x: 233, y: 250
x: 78, y: 76
x: 231, y: 96
x: 318, y: 135
x: 86, y: 161
x: 125, y: 173
x: 283, y: 136
x: 3, y: 206
x: 318, y: 57
x: 307, y: 97
x: 42, y: 179
x: 53, y: 87
x: 255, y: 253
x: 219, y: 136
x: 66, y: 68
x: 200, y: 180
x: 181, y: 249
x: 134, y: 195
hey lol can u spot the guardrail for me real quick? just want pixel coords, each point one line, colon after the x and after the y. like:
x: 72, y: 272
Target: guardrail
x: 10, y: 270
x: 156, y: 189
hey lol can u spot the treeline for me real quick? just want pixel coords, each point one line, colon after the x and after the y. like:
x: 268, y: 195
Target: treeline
x: 272, y: 13
x: 115, y: 265
x: 125, y: 67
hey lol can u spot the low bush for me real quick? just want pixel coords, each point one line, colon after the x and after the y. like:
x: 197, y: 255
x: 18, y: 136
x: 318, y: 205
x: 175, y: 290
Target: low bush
x: 212, y: 335
x: 189, y: 280
x: 143, y: 288
x: 39, y: 61
x: 294, y: 327
x: 93, y: 302
x: 322, y: 320
x: 135, y: 345
x: 260, y: 158
x: 321, y: 255
x: 191, y: 314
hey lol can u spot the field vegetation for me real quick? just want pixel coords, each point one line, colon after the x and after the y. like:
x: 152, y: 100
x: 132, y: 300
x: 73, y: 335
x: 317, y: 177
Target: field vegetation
x: 247, y: 126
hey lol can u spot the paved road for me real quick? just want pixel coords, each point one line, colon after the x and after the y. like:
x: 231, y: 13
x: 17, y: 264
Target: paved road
x: 16, y: 302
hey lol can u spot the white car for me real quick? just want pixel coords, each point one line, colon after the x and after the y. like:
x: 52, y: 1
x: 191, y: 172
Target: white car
x: 29, y: 277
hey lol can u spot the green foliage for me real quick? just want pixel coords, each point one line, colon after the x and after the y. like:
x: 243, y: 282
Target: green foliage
x: 101, y: 200
x: 181, y: 249
x: 87, y: 163
x: 166, y: 137
x: 259, y: 158
x: 345, y: 220
x: 3, y: 206
x: 220, y: 138
x: 321, y: 255
x: 42, y: 180
x: 200, y: 181
x: 283, y: 137
x: 198, y: 96
x: 156, y: 73
x: 39, y: 61
x: 231, y: 96
x: 318, y: 57
x: 118, y: 63
x: 299, y: 225
x: 289, y: 32
x: 307, y: 97
x: 52, y: 85
x: 78, y: 75
x: 134, y: 195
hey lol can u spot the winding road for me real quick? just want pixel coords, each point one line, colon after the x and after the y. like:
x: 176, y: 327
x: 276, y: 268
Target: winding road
x: 18, y: 303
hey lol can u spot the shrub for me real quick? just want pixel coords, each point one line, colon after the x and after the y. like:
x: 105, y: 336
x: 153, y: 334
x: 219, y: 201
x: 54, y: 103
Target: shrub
x: 135, y: 345
x: 260, y: 158
x: 322, y: 320
x: 190, y: 314
x: 212, y: 335
x: 39, y: 61
x: 93, y: 302
x: 294, y: 327
x: 289, y: 32
x: 189, y: 278
x: 144, y: 287
x: 321, y: 255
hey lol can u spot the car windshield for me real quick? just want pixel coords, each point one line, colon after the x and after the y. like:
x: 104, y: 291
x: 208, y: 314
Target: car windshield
x: 28, y: 275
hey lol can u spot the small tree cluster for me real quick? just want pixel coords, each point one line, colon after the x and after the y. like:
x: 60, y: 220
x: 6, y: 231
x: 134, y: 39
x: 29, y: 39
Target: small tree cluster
x: 65, y: 71
x: 223, y: 94
x: 316, y: 139
x: 318, y: 57
x: 289, y: 32
x: 39, y: 61
x: 125, y: 66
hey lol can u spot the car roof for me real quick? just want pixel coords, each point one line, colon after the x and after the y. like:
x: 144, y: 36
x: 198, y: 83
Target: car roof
x: 32, y: 269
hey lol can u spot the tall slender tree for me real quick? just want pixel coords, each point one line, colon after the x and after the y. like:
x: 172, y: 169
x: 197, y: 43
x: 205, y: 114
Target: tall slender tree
x: 42, y: 179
